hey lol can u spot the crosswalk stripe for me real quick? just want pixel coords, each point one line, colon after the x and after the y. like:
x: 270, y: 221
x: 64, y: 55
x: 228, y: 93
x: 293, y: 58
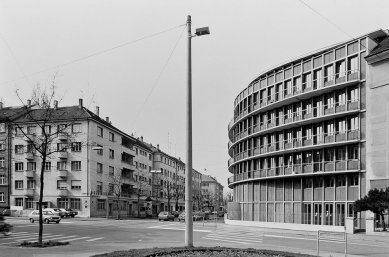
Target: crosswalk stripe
x: 94, y: 239
x: 62, y: 237
x: 22, y: 236
x: 35, y: 237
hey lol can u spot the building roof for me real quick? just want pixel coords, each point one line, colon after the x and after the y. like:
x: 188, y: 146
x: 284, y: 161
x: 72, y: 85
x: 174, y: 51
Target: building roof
x: 10, y: 113
x: 383, y: 45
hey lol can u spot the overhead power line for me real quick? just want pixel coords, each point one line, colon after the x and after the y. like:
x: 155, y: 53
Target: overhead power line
x: 93, y: 54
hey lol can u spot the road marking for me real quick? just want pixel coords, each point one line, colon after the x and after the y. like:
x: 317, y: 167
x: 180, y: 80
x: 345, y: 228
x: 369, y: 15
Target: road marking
x: 94, y: 239
x: 232, y: 238
x: 195, y: 230
x: 238, y: 242
x: 78, y: 238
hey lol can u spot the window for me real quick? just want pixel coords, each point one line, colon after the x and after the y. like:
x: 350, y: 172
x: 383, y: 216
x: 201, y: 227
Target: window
x: 2, y: 127
x: 99, y: 186
x: 47, y: 166
x: 149, y: 156
x: 62, y: 128
x: 341, y: 153
x: 99, y: 167
x: 2, y: 180
x: 353, y: 152
x: 76, y: 184
x: 353, y: 180
x: 2, y: 162
x: 61, y: 184
x: 30, y: 148
x: 31, y: 184
x: 19, y: 148
x: 2, y: 145
x: 101, y: 204
x: 340, y: 69
x: 76, y: 165
x: 29, y: 203
x: 76, y: 128
x: 18, y: 184
x: 31, y: 165
x: 62, y: 203
x: 110, y: 188
x: 61, y: 165
x: 111, y: 171
x: 75, y: 203
x: 19, y: 131
x: 31, y: 130
x: 352, y: 64
x: 19, y: 166
x: 341, y: 181
x: 99, y: 131
x: 354, y: 123
x: 46, y: 129
x: 328, y: 73
x: 76, y: 146
x: 111, y: 154
x: 61, y: 147
x: 100, y: 151
x: 19, y: 201
x: 111, y: 137
x: 2, y: 197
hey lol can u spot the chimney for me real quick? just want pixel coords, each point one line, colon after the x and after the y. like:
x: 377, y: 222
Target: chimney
x: 158, y: 146
x: 80, y: 102
x: 55, y: 104
x: 1, y: 105
x: 97, y: 112
x: 107, y: 119
x: 29, y: 103
x: 141, y: 138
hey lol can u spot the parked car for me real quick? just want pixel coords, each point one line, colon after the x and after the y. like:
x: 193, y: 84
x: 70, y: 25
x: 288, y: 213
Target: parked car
x: 181, y: 216
x: 175, y: 213
x: 55, y: 211
x: 47, y: 216
x: 67, y: 213
x: 73, y: 213
x: 198, y: 216
x: 165, y: 215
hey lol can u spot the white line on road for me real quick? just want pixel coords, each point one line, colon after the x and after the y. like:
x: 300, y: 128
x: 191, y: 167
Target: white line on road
x: 233, y: 238
x: 195, y: 230
x: 78, y: 238
x: 94, y: 239
x: 238, y: 242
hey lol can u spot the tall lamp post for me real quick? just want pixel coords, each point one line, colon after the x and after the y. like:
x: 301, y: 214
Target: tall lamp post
x: 188, y: 177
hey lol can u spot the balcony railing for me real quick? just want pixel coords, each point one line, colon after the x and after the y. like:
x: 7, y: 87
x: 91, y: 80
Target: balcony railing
x: 62, y: 173
x: 298, y: 116
x: 29, y: 173
x: 29, y: 191
x: 62, y: 191
x: 302, y: 88
x: 299, y: 169
x: 293, y: 144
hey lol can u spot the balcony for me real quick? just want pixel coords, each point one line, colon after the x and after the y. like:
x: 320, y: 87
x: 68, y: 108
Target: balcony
x: 62, y: 136
x: 62, y: 173
x: 29, y: 137
x: 304, y: 117
x: 298, y: 144
x: 287, y: 96
x: 29, y: 191
x: 62, y: 192
x: 311, y: 168
x: 30, y: 155
x: 62, y: 154
x: 29, y: 173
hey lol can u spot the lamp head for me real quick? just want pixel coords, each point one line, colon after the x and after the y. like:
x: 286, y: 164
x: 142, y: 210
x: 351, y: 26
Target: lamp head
x: 202, y: 31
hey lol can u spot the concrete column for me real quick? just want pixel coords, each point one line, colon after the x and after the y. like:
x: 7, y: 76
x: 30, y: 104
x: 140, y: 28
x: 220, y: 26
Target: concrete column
x: 369, y: 225
x: 350, y: 225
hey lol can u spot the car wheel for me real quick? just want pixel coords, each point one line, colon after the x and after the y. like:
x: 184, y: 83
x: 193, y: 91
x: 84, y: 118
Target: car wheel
x: 32, y: 220
x: 47, y: 221
x: 57, y: 222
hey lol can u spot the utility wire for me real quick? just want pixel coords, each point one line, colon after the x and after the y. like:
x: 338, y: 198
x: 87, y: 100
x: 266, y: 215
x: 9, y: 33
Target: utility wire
x: 159, y: 76
x: 94, y: 54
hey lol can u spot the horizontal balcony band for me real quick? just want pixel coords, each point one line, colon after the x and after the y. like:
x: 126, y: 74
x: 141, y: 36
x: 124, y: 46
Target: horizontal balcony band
x: 296, y: 121
x: 298, y: 170
x: 319, y: 87
x: 298, y: 144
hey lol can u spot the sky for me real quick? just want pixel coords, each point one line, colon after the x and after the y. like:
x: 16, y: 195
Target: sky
x: 129, y: 57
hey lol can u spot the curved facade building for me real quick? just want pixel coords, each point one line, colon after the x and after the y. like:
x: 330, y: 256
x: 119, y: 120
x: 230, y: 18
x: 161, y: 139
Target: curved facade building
x: 299, y: 141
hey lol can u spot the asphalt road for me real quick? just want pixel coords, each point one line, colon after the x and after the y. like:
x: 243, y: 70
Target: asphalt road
x: 92, y: 236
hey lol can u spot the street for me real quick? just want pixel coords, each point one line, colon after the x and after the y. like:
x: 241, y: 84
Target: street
x: 92, y: 236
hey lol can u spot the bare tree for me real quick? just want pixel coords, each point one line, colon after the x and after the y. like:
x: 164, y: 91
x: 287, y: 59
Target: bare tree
x: 116, y: 187
x: 142, y: 187
x: 178, y: 192
x: 156, y: 189
x: 169, y: 192
x: 42, y: 113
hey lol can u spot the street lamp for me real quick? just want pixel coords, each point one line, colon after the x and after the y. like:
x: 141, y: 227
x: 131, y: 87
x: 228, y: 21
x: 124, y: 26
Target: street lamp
x: 188, y: 177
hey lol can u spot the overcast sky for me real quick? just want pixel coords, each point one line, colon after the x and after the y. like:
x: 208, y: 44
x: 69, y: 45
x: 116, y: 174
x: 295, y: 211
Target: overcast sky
x: 141, y: 84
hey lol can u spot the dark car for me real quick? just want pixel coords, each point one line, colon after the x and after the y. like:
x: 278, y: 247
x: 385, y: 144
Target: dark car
x: 72, y: 212
x: 165, y: 215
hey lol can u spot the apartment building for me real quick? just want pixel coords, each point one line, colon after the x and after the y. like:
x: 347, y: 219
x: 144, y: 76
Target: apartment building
x: 308, y: 137
x: 212, y: 192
